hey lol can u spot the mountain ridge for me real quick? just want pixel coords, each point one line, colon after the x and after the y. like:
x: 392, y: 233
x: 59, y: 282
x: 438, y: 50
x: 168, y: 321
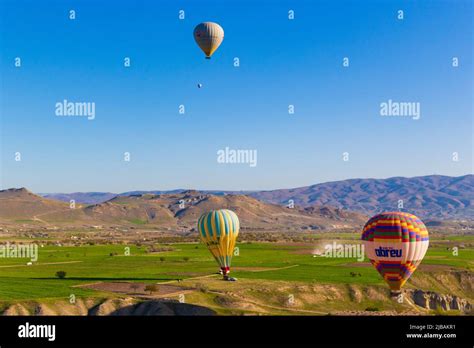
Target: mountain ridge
x: 426, y: 196
x: 171, y: 212
x: 430, y: 196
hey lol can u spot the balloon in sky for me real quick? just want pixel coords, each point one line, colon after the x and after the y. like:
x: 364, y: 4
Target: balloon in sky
x: 395, y: 243
x: 219, y: 230
x: 199, y: 85
x: 208, y: 36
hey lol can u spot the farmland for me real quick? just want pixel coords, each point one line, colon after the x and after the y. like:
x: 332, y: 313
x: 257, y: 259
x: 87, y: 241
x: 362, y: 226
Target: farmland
x: 268, y: 275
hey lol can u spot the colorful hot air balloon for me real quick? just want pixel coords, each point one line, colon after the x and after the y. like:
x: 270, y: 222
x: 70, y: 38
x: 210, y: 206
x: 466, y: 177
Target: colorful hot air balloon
x: 219, y: 230
x: 209, y: 37
x: 395, y: 243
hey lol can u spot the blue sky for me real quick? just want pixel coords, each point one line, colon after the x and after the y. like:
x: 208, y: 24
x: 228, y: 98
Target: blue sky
x: 282, y: 62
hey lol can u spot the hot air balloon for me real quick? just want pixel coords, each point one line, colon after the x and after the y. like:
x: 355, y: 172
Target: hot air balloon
x: 208, y: 36
x: 395, y: 244
x: 219, y: 229
x: 199, y: 85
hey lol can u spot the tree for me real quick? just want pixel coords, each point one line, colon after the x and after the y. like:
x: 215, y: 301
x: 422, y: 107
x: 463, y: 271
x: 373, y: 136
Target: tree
x: 61, y: 274
x: 186, y: 258
x: 162, y: 259
x: 151, y: 288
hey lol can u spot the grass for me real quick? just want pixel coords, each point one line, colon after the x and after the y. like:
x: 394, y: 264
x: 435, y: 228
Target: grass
x: 138, y: 222
x: 256, y: 261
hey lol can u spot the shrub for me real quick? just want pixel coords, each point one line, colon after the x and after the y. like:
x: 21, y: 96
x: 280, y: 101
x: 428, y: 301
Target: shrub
x: 202, y: 288
x: 151, y: 288
x: 61, y: 274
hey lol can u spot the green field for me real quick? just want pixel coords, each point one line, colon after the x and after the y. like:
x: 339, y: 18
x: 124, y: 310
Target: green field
x: 256, y: 262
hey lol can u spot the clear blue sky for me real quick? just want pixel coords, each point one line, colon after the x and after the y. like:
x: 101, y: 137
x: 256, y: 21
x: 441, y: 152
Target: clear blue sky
x: 282, y: 62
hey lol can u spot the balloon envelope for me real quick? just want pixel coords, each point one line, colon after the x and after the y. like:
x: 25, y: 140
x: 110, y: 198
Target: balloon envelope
x: 219, y: 229
x: 208, y: 36
x: 395, y: 244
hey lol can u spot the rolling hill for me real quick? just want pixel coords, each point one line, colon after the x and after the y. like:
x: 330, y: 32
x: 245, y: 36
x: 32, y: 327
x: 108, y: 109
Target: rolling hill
x: 429, y: 197
x: 434, y: 196
x: 23, y: 204
x: 178, y: 211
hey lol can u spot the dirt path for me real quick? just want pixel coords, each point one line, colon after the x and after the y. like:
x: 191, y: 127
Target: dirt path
x: 85, y: 285
x: 273, y: 269
x: 195, y: 278
x: 192, y: 278
x: 158, y: 283
x: 36, y: 218
x: 42, y: 264
x: 168, y: 295
x: 285, y: 309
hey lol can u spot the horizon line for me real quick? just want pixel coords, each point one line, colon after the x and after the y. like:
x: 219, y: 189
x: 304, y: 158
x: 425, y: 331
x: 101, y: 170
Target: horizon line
x: 242, y: 190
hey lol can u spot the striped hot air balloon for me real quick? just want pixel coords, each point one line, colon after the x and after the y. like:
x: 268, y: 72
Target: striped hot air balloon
x: 395, y: 243
x: 208, y: 36
x: 219, y: 230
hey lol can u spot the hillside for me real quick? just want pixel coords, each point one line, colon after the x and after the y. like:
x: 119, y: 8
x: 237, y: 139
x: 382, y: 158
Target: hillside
x: 434, y: 196
x: 174, y: 212
x: 430, y: 197
x: 183, y: 210
x: 23, y: 204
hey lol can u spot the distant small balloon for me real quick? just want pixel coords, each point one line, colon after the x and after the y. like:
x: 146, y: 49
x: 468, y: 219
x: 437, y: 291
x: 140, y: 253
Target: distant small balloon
x: 199, y: 85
